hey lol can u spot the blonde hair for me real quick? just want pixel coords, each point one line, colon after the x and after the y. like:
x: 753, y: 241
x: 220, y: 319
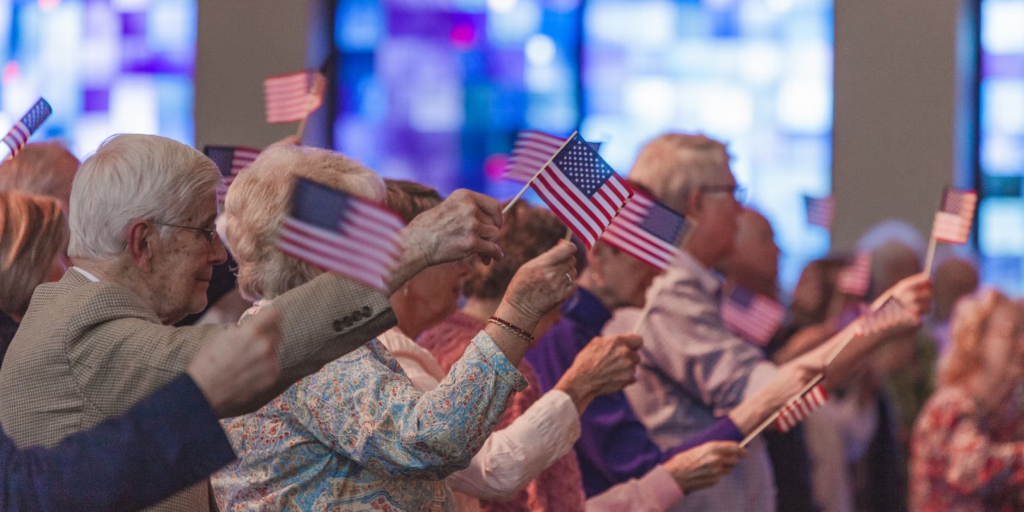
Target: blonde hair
x: 43, y: 168
x: 673, y: 165
x: 33, y: 231
x: 132, y: 177
x: 258, y: 202
x: 969, y: 331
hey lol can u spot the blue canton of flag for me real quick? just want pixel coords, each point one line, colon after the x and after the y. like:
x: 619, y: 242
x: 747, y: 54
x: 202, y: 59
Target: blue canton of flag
x: 584, y: 168
x: 582, y: 190
x: 222, y: 157
x: 29, y: 123
x: 341, y: 233
x: 647, y: 230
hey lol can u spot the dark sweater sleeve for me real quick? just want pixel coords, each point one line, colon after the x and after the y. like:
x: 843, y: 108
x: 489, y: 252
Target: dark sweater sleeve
x: 165, y: 443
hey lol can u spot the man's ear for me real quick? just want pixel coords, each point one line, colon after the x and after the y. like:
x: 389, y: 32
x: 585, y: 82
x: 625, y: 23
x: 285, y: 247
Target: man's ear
x: 140, y: 238
x: 695, y: 204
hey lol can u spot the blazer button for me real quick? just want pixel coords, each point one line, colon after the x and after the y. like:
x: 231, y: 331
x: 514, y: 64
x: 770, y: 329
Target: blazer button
x: 338, y: 327
x: 348, y: 321
x: 366, y: 311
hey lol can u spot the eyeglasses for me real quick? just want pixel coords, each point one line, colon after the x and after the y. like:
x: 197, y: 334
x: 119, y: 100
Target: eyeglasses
x: 739, y: 193
x: 210, y: 234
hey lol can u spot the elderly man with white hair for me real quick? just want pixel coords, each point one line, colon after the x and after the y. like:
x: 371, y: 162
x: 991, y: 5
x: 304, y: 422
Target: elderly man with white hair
x: 693, y: 370
x: 143, y: 242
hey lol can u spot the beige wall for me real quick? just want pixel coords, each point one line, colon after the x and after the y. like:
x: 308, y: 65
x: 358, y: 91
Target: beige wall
x: 241, y: 42
x: 899, y: 135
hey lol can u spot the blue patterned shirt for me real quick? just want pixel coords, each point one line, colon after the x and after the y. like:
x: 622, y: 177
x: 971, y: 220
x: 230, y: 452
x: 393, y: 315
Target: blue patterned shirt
x: 358, y: 436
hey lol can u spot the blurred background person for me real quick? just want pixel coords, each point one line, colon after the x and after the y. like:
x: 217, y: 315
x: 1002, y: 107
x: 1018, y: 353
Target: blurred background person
x: 967, y: 453
x: 33, y: 250
x: 753, y: 264
x: 954, y: 278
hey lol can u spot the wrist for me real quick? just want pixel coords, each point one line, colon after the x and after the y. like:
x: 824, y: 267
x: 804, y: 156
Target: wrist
x: 516, y: 317
x: 412, y: 260
x: 579, y: 392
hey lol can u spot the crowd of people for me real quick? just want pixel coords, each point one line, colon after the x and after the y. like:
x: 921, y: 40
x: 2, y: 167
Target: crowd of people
x: 502, y: 369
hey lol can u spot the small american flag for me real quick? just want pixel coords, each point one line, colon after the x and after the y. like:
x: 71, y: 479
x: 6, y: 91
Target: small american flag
x: 647, y: 230
x: 955, y: 216
x: 800, y: 408
x: 582, y: 190
x: 231, y: 160
x: 752, y: 316
x: 820, y: 211
x: 855, y: 278
x: 292, y: 97
x: 341, y: 233
x: 531, y: 151
x: 18, y: 136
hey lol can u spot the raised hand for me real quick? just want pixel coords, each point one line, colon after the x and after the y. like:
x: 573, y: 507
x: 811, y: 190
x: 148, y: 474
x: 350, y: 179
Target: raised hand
x: 540, y: 286
x: 606, y: 365
x: 915, y: 292
x: 239, y: 365
x: 701, y: 467
x: 465, y: 224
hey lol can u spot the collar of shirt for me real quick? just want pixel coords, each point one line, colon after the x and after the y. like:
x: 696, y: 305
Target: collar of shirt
x: 86, y: 274
x: 587, y: 311
x: 706, y: 278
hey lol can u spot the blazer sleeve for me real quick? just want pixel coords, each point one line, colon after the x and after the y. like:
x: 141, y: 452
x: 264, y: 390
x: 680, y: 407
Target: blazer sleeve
x: 119, y: 352
x: 167, y: 442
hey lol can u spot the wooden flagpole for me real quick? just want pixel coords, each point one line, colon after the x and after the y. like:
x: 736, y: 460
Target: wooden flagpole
x: 771, y: 419
x: 528, y: 183
x: 930, y: 258
x: 302, y: 128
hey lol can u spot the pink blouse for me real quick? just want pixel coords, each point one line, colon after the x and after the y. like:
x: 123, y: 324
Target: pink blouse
x: 559, y: 488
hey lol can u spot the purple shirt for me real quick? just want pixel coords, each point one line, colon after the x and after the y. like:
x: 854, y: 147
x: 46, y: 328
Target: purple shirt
x: 614, y: 445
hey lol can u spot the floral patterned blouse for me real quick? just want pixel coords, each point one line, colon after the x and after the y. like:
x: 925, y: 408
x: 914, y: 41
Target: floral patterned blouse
x: 962, y: 462
x: 560, y: 487
x: 357, y: 435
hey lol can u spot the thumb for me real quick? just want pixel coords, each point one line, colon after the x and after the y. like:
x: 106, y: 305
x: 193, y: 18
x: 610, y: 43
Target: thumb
x: 267, y: 323
x: 633, y: 341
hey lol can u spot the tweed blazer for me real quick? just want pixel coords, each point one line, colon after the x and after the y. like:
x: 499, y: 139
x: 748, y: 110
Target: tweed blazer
x: 87, y: 351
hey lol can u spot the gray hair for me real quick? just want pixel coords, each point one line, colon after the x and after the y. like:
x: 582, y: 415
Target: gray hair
x: 258, y: 202
x: 673, y: 165
x: 133, y: 177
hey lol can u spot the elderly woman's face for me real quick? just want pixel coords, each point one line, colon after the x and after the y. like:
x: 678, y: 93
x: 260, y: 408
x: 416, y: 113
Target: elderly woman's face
x: 434, y: 292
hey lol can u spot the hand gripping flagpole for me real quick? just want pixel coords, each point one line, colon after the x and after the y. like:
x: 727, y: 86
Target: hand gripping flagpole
x: 528, y: 183
x: 814, y: 382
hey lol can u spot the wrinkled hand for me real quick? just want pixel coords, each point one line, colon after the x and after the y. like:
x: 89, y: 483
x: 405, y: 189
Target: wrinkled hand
x: 606, y: 365
x: 701, y: 467
x: 465, y: 224
x: 915, y: 292
x: 539, y: 286
x: 239, y: 364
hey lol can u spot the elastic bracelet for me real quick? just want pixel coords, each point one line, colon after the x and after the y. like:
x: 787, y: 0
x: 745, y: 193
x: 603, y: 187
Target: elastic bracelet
x: 522, y: 333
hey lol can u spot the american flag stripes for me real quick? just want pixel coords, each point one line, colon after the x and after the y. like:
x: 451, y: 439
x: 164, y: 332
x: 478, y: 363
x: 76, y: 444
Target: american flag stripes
x: 855, y: 278
x: 955, y: 216
x: 582, y: 190
x: 530, y: 152
x: 799, y: 409
x: 230, y: 160
x: 292, y: 97
x: 647, y: 230
x: 26, y: 126
x: 341, y: 233
x: 820, y: 211
x: 752, y: 316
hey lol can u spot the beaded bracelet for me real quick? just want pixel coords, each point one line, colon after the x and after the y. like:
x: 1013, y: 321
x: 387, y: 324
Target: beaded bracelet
x: 522, y: 333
